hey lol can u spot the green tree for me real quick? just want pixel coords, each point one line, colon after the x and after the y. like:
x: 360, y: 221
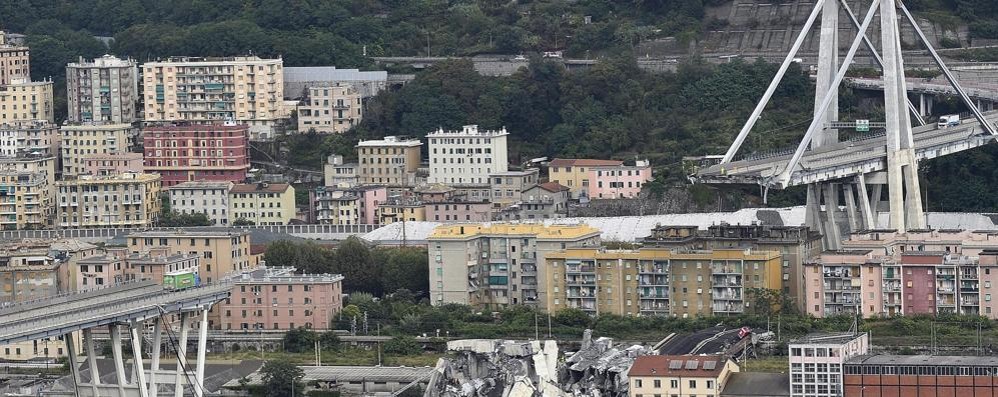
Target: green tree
x: 176, y: 219
x: 281, y: 378
x: 243, y: 222
x: 353, y: 260
x: 299, y: 340
x: 404, y: 268
x: 402, y: 346
x: 329, y: 340
x: 306, y: 256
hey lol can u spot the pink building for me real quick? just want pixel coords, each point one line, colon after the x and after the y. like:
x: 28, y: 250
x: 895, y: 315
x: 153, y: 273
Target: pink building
x: 918, y: 272
x: 277, y: 298
x: 458, y: 211
x: 112, y: 164
x: 100, y: 271
x: 197, y: 153
x: 600, y: 179
x: 154, y: 264
x: 843, y: 282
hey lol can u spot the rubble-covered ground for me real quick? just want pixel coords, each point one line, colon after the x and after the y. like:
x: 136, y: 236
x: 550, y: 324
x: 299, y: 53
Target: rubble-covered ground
x: 505, y: 368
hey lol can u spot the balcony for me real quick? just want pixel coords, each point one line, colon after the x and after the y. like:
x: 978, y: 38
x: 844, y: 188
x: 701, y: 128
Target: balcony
x: 579, y: 269
x: 580, y: 281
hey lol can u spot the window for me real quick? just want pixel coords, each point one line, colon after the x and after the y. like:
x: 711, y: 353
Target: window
x: 658, y: 383
x: 674, y: 384
x: 637, y: 383
x: 710, y: 384
x: 693, y: 384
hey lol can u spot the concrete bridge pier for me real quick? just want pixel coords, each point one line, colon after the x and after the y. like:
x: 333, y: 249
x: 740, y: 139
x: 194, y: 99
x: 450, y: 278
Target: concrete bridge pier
x: 925, y: 103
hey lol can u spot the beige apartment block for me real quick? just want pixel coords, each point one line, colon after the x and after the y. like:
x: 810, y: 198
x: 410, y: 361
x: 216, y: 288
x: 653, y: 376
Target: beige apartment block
x: 392, y: 161
x: 85, y: 139
x: 262, y: 203
x: 24, y: 100
x: 29, y: 138
x: 14, y: 62
x: 124, y: 200
x: 104, y: 89
x: 491, y: 266
x: 333, y: 109
x: 205, y: 197
x: 25, y: 202
x: 246, y: 89
x: 221, y: 253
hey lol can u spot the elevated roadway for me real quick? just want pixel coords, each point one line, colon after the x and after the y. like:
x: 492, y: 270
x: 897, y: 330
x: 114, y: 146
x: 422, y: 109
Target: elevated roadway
x: 864, y: 155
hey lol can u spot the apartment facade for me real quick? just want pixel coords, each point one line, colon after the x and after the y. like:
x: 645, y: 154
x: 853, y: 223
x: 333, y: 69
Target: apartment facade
x: 248, y: 90
x: 330, y: 109
x: 263, y: 203
x: 817, y: 362
x: 197, y: 153
x: 280, y: 299
x: 883, y: 375
x: 25, y: 200
x: 507, y: 186
x: 490, y: 266
x: 547, y: 200
x: 14, y: 62
x: 209, y: 198
x: 796, y: 245
x: 392, y: 161
x: 80, y: 140
x: 457, y: 211
x: 112, y: 163
x: 600, y: 179
x: 679, y: 376
x: 154, y: 265
x: 220, y: 253
x: 350, y: 206
x: 25, y: 100
x: 337, y: 173
x: 397, y: 209
x: 105, y: 89
x: 29, y: 138
x: 100, y: 271
x: 123, y: 200
x: 466, y: 157
x: 658, y: 281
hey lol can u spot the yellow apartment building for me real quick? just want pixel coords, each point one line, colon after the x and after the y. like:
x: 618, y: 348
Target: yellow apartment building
x: 394, y: 211
x: 656, y: 281
x: 80, y: 140
x: 220, y: 253
x: 24, y: 100
x: 392, y: 161
x: 124, y: 200
x: 262, y: 203
x: 25, y: 201
x: 330, y: 109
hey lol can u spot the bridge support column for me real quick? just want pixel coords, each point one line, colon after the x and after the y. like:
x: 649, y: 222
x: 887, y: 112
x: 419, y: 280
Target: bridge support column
x: 140, y: 374
x: 202, y: 347
x: 869, y: 220
x: 850, y: 206
x: 178, y: 385
x: 88, y: 342
x: 74, y: 362
x: 157, y: 341
x: 834, y: 238
x: 119, y: 363
x: 812, y: 213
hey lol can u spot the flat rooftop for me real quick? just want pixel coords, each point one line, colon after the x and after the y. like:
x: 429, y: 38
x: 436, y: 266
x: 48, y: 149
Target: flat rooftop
x: 827, y: 338
x: 344, y: 374
x: 756, y: 384
x: 935, y: 361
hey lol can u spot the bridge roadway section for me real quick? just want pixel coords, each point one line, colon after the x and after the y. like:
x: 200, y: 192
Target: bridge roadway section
x: 309, y: 231
x: 975, y: 89
x: 863, y: 155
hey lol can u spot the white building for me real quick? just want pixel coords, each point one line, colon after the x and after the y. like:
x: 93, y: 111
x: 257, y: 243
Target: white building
x: 466, y: 157
x: 209, y: 198
x: 816, y: 362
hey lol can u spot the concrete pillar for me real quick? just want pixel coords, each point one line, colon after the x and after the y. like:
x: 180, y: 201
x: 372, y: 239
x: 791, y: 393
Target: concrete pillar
x: 850, y: 207
x: 895, y: 191
x: 140, y: 373
x: 88, y: 342
x: 119, y: 363
x: 74, y: 362
x: 930, y: 101
x: 921, y: 105
x: 869, y: 218
x: 178, y: 385
x: 157, y: 341
x: 831, y: 209
x: 202, y: 348
x: 812, y: 213
x: 913, y: 201
x: 828, y: 65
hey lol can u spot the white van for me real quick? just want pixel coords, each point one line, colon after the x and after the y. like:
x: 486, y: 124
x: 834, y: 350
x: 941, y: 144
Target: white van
x: 949, y: 120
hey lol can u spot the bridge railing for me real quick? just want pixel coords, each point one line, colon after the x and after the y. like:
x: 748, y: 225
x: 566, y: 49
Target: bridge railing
x: 106, y: 233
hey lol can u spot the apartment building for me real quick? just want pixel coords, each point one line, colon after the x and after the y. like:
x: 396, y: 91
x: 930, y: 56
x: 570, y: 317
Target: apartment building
x: 80, y: 140
x: 547, y: 200
x: 397, y: 209
x: 247, y: 89
x: 507, y: 186
x: 220, y: 253
x: 100, y: 272
x: 680, y: 376
x: 197, y: 153
x: 25, y: 200
x: 262, y: 203
x: 817, y: 362
x: 155, y: 264
x: 280, y: 299
x: 14, y: 62
x: 466, y: 157
x: 350, y: 206
x: 105, y: 89
x: 600, y: 179
x: 392, y: 161
x: 883, y: 375
x: 337, y: 173
x: 330, y: 109
x: 457, y: 211
x: 25, y: 100
x: 657, y: 281
x: 209, y: 198
x: 796, y: 245
x: 29, y: 138
x: 112, y: 163
x: 123, y: 200
x: 490, y: 266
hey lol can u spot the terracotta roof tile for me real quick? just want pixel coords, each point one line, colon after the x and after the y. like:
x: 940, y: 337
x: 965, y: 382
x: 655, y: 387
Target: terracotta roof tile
x: 553, y: 187
x: 585, y: 163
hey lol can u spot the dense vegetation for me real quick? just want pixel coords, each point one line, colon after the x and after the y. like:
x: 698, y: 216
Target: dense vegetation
x: 980, y: 15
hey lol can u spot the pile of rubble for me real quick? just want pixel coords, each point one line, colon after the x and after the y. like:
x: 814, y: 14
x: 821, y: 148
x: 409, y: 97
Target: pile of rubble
x: 505, y: 368
x: 599, y: 369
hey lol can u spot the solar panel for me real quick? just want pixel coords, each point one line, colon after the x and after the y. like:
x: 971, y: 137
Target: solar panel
x: 709, y: 365
x: 691, y: 364
x: 675, y: 364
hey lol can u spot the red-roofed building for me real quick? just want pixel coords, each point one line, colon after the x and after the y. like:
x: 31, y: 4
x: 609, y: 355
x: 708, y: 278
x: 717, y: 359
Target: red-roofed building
x: 197, y: 153
x: 600, y: 179
x: 680, y: 376
x: 545, y: 201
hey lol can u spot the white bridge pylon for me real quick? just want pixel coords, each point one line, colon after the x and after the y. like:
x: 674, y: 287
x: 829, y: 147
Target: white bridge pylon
x: 901, y: 176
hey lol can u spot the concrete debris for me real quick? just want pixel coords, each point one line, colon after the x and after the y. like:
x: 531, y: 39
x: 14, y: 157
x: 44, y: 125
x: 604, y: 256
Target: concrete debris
x: 505, y: 368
